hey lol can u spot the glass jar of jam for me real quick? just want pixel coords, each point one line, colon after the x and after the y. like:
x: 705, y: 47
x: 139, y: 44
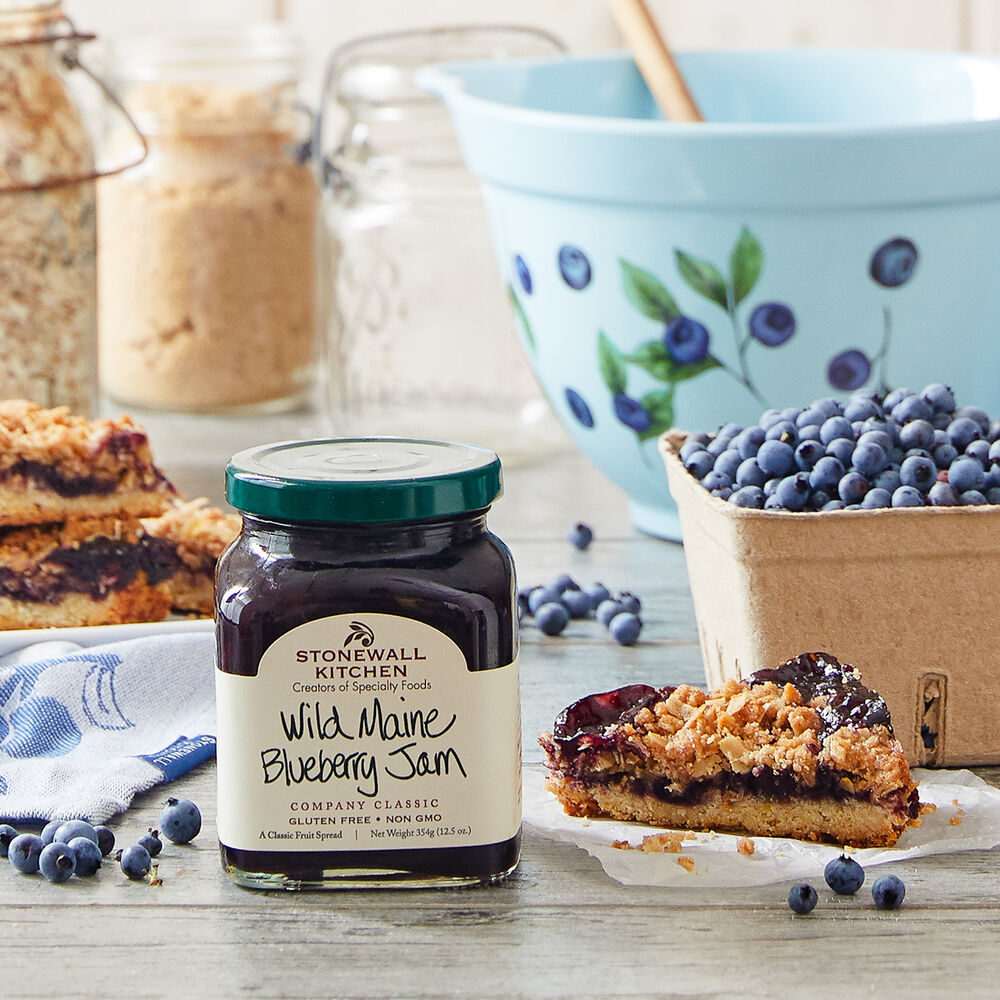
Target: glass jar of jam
x: 367, y: 685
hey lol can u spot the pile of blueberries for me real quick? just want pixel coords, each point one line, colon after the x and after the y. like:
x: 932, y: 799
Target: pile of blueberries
x: 845, y: 876
x: 906, y: 449
x: 554, y: 604
x: 75, y: 847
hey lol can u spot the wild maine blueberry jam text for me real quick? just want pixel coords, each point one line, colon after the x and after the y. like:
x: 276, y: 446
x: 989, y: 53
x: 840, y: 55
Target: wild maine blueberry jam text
x: 404, y: 741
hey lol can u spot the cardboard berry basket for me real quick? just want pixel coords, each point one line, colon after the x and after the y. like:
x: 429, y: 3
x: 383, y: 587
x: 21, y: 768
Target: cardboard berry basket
x: 910, y: 596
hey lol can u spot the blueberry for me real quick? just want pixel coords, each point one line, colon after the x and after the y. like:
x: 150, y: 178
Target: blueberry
x: 993, y: 495
x: 551, y: 618
x: 912, y: 408
x: 862, y: 409
x: 48, y: 833
x: 966, y: 474
x: 802, y: 898
x: 631, y: 412
x: 749, y: 440
x: 88, y: 856
x: 835, y: 427
x: 887, y: 479
x: 808, y: 454
x: 920, y: 473
x: 844, y: 875
x: 57, y: 862
x: 606, y: 610
x: 977, y: 416
x: 994, y: 432
x: 793, y: 491
x: 868, y: 459
x: 75, y: 828
x: 782, y: 430
x: 876, y: 498
x: 907, y: 496
x: 597, y: 593
x: 773, y: 503
x: 7, y: 834
x: 849, y: 369
x: 105, y: 840
x: 715, y: 480
x: 750, y: 473
x: 809, y: 432
x: 943, y: 495
x: 776, y: 458
x: 151, y: 841
x: 135, y: 862
x: 770, y: 486
x: 686, y: 340
x: 625, y: 628
x: 717, y: 446
x: 940, y: 397
x: 828, y: 406
x: 523, y: 274
x: 962, y: 431
x: 888, y: 892
x: 729, y: 431
x: 693, y: 443
x: 791, y: 413
x: 728, y: 463
x: 852, y: 488
x: 628, y: 601
x: 748, y: 496
x: 769, y: 417
x: 574, y: 267
x: 893, y: 262
x: 944, y: 455
x: 580, y: 535
x: 772, y: 323
x: 817, y: 499
x: 917, y: 434
x: 579, y: 408
x: 842, y: 449
x: 542, y: 595
x: 180, y: 820
x: 833, y: 505
x: 23, y: 852
x: 577, y: 603
x: 972, y: 498
x: 700, y: 464
x: 980, y: 451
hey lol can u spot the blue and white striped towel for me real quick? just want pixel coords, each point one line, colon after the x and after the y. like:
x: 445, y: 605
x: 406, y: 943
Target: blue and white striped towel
x: 83, y: 729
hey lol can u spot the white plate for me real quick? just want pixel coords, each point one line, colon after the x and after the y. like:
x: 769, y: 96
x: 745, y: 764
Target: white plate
x: 95, y: 635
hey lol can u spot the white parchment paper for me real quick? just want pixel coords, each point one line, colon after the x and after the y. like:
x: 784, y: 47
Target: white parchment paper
x: 960, y: 796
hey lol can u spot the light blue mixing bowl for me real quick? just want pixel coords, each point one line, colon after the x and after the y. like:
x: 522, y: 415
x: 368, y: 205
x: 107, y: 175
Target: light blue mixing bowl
x: 835, y: 223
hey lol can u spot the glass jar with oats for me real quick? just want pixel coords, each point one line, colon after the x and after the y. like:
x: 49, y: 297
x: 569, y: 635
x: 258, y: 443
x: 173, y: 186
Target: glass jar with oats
x: 209, y: 249
x: 48, y: 285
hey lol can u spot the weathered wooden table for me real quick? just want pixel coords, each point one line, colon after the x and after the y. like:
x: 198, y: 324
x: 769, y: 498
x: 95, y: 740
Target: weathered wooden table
x: 559, y: 927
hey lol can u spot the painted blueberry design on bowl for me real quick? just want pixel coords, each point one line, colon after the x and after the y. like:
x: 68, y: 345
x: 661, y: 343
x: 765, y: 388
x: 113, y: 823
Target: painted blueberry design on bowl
x: 574, y: 267
x: 579, y: 408
x: 891, y: 266
x: 683, y: 350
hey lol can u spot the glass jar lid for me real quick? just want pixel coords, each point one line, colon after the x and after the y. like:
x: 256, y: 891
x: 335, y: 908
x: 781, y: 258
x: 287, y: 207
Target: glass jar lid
x: 362, y: 480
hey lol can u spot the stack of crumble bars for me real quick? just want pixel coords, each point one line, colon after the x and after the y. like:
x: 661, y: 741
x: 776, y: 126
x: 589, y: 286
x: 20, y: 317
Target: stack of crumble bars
x: 74, y: 548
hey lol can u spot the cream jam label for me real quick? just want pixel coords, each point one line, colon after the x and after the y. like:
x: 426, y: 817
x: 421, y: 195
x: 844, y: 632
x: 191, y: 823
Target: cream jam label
x: 367, y: 732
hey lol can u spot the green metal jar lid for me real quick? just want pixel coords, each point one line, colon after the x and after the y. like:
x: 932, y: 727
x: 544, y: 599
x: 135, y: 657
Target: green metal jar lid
x: 362, y: 480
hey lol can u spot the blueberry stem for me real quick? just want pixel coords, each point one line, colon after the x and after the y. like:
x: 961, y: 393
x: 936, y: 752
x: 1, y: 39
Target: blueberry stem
x: 742, y: 345
x: 882, y: 355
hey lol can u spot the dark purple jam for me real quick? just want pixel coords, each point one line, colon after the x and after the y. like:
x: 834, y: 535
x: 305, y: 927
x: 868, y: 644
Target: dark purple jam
x: 847, y: 702
x: 451, y: 574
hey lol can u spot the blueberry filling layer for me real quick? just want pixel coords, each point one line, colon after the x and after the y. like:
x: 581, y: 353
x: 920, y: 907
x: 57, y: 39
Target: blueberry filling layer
x: 49, y: 477
x: 762, y: 783
x: 96, y: 568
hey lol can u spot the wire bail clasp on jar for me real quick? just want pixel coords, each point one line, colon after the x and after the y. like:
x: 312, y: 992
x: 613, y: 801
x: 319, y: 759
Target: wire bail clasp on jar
x: 66, y: 39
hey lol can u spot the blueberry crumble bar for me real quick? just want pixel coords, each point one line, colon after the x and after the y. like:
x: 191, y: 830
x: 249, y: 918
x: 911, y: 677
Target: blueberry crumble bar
x: 198, y: 534
x: 804, y: 750
x: 87, y: 571
x: 55, y: 466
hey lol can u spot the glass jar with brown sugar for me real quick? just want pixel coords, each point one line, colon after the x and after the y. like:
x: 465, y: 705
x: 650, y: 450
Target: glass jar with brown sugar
x: 209, y: 249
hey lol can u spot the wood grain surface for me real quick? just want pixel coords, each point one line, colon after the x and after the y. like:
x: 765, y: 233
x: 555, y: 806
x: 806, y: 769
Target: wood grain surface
x: 559, y: 927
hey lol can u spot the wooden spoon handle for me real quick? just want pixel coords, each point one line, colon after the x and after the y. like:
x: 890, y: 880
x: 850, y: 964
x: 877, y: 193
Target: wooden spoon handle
x: 654, y: 60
